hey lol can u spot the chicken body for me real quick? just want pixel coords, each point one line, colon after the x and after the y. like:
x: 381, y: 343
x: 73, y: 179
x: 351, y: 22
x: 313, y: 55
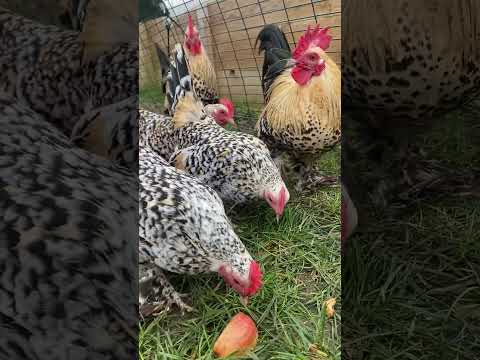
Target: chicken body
x: 43, y: 68
x: 237, y: 165
x: 302, y: 95
x: 69, y: 248
x: 184, y: 229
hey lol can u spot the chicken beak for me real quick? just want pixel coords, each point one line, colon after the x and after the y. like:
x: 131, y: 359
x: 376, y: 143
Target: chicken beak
x: 244, y: 300
x: 278, y: 218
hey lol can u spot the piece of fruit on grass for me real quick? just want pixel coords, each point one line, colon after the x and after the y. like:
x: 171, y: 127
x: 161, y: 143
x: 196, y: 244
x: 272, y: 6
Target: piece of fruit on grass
x: 239, y: 336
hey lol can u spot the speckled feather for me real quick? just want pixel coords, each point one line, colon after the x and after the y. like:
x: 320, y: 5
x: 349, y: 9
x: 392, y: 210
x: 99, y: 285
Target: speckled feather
x: 69, y: 243
x: 237, y: 165
x: 41, y: 66
x: 183, y: 225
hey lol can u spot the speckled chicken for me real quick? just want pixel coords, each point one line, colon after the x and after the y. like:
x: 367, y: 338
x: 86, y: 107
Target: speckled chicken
x: 184, y: 229
x: 301, y: 116
x: 63, y: 74
x: 69, y: 246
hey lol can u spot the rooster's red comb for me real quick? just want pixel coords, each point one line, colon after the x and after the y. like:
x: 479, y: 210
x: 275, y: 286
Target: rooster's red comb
x: 228, y: 104
x: 316, y: 36
x: 255, y: 279
x: 190, y: 26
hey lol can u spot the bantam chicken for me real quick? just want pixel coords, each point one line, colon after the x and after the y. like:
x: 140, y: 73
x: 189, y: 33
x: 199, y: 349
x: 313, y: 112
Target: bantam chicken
x: 184, y: 229
x: 179, y: 81
x: 68, y: 246
x: 301, y: 116
x: 237, y: 165
x: 200, y: 67
x: 46, y: 69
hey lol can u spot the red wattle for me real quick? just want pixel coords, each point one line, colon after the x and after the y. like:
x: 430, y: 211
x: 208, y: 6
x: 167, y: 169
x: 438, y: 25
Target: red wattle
x: 301, y: 76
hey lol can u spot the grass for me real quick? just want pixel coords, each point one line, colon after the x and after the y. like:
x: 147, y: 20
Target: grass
x: 411, y: 285
x: 300, y: 258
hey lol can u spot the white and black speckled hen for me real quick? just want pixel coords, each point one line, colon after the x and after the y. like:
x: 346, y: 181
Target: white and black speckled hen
x: 184, y: 229
x: 68, y: 249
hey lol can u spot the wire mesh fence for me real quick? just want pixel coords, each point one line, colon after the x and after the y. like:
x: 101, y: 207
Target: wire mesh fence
x: 228, y: 30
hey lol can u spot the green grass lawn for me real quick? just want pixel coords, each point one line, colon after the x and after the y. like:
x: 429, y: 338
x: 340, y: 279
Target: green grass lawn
x: 300, y: 258
x: 412, y: 281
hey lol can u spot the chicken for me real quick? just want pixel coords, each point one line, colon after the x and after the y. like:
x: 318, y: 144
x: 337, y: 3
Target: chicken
x: 69, y: 246
x: 200, y: 67
x: 301, y: 116
x: 184, y: 229
x: 423, y: 63
x: 43, y: 67
x: 179, y: 80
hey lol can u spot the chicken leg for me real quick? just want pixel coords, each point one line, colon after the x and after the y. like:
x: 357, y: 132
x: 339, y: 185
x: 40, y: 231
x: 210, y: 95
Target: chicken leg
x: 157, y: 294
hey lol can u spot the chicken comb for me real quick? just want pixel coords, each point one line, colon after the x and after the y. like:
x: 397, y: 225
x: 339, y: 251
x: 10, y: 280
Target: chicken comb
x: 228, y: 104
x: 255, y: 279
x: 316, y: 36
x: 191, y: 26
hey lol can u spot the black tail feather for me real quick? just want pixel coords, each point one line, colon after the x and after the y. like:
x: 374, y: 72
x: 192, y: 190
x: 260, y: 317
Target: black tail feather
x: 179, y: 81
x: 277, y: 53
x: 271, y: 37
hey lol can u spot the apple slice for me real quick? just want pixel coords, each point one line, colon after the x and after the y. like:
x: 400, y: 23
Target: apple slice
x: 239, y: 336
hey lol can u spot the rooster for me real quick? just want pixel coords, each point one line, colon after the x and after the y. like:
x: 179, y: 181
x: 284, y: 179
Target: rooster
x: 69, y: 245
x: 237, y: 165
x: 184, y: 229
x: 302, y: 99
x: 200, y: 67
x: 179, y: 81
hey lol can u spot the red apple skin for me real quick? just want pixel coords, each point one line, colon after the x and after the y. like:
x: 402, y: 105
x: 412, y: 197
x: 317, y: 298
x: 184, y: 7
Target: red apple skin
x: 239, y: 336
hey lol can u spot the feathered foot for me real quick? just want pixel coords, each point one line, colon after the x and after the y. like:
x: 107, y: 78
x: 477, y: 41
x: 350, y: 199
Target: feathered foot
x: 157, y: 294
